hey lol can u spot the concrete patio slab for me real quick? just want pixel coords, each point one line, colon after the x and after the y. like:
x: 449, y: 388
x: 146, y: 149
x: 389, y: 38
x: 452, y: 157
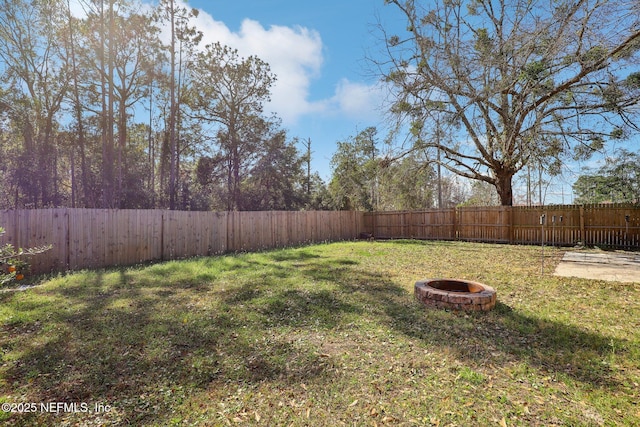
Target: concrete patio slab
x: 611, y: 266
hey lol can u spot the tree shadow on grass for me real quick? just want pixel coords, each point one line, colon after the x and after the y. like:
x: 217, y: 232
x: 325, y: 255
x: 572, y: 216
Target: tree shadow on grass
x: 141, y: 345
x: 123, y: 345
x: 298, y: 255
x: 503, y: 334
x: 507, y: 335
x: 419, y: 242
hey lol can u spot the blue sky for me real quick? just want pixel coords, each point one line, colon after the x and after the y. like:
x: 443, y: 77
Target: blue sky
x: 325, y: 89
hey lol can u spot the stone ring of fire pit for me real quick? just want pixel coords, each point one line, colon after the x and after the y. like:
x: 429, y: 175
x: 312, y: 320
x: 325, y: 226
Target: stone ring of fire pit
x: 455, y: 294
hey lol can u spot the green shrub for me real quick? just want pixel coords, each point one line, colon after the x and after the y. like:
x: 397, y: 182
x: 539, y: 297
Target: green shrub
x: 12, y: 265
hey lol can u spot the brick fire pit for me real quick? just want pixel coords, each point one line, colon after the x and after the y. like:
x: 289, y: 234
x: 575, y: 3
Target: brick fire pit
x: 455, y: 294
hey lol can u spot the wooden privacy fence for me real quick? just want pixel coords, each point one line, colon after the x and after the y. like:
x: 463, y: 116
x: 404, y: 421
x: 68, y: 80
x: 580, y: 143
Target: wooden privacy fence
x: 616, y: 226
x: 94, y: 238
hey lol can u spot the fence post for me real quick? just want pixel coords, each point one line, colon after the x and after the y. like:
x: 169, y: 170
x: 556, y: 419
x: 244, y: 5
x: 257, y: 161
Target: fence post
x: 375, y: 223
x: 455, y: 223
x: 510, y: 223
x: 583, y: 237
x: 403, y: 224
x: 67, y: 258
x: 162, y: 237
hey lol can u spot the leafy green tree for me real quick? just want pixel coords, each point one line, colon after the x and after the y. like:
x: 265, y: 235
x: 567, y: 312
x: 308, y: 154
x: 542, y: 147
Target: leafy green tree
x: 183, y: 41
x: 71, y: 92
x: 271, y: 169
x: 276, y: 180
x: 95, y: 60
x: 363, y: 179
x: 617, y: 181
x: 318, y: 198
x: 514, y: 80
x: 134, y: 33
x: 408, y: 183
x: 108, y: 87
x: 230, y: 91
x: 354, y: 185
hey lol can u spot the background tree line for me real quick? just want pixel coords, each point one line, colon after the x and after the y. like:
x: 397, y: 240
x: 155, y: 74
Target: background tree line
x: 616, y: 181
x: 367, y: 177
x: 124, y: 108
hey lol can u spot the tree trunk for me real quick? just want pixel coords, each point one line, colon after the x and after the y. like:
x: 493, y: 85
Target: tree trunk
x: 229, y: 183
x: 122, y: 148
x: 151, y: 150
x: 503, y: 183
x: 172, y: 114
x: 113, y: 196
x: 236, y: 176
x: 78, y: 112
x: 106, y: 114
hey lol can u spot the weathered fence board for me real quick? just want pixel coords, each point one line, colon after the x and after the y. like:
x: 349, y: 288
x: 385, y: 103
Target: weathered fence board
x: 36, y: 228
x: 424, y: 224
x: 94, y: 238
x: 561, y: 225
x: 616, y: 226
x: 483, y: 224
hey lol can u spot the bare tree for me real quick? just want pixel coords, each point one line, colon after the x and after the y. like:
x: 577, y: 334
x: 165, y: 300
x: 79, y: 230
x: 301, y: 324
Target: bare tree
x: 70, y: 41
x: 134, y: 36
x: 183, y: 41
x: 35, y: 78
x: 97, y: 35
x: 515, y: 80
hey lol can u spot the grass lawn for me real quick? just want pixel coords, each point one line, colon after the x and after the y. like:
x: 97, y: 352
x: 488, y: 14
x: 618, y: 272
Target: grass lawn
x: 323, y: 335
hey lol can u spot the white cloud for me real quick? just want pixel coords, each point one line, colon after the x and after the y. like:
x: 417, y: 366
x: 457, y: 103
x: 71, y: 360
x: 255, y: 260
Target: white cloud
x: 296, y: 57
x: 294, y: 54
x: 358, y: 100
